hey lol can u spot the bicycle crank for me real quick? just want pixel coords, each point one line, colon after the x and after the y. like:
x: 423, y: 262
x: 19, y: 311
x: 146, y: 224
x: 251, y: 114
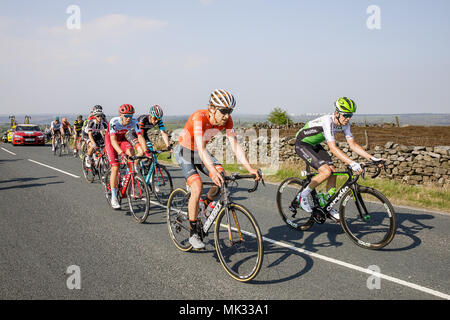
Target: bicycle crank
x: 319, y: 215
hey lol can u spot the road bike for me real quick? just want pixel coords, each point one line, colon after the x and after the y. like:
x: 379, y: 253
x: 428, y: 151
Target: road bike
x: 237, y: 237
x: 365, y: 214
x: 133, y: 187
x: 65, y: 144
x: 99, y: 165
x: 57, y: 144
x: 157, y: 178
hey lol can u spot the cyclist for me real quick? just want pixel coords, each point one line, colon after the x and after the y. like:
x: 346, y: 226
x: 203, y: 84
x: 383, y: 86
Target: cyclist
x: 66, y: 129
x: 191, y: 153
x: 55, y: 127
x: 77, y: 127
x: 95, y: 128
x: 308, y: 147
x: 116, y: 143
x: 147, y: 122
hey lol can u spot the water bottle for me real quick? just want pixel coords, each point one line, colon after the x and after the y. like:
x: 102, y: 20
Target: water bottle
x: 321, y: 197
x: 330, y: 193
x: 210, y: 208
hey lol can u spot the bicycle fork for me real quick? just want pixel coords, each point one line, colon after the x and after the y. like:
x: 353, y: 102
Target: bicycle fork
x: 360, y: 205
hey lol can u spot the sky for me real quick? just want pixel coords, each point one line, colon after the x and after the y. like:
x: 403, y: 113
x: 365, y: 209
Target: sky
x: 297, y: 55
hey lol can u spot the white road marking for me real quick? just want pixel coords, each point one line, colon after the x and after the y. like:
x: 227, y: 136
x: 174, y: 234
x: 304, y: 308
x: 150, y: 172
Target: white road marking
x: 42, y: 164
x: 346, y: 264
x: 9, y: 152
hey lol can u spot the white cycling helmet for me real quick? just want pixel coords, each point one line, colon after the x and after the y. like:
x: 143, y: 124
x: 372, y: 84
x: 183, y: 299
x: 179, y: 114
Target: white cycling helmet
x: 222, y: 99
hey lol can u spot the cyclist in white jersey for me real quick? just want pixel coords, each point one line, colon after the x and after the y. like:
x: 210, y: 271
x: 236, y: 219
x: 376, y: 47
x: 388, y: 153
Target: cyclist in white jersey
x: 308, y: 147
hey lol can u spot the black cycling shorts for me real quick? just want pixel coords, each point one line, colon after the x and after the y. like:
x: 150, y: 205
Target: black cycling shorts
x: 316, y: 156
x: 190, y: 162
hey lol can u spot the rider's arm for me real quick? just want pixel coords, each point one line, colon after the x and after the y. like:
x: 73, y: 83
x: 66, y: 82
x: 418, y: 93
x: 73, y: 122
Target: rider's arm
x: 203, y: 153
x: 338, y: 152
x: 91, y: 138
x: 165, y: 138
x: 115, y: 144
x: 358, y: 149
x: 239, y: 152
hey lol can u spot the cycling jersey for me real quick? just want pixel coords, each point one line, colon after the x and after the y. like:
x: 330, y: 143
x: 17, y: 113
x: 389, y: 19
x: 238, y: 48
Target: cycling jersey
x: 115, y: 128
x: 96, y: 127
x: 78, y: 125
x: 55, y: 126
x: 318, y: 130
x: 145, y: 125
x: 198, y: 124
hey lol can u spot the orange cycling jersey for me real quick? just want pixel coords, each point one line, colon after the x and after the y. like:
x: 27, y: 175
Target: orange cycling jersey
x: 198, y: 124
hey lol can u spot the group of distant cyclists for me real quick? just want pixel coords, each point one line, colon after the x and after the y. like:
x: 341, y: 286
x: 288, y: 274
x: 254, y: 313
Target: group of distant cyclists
x: 125, y: 136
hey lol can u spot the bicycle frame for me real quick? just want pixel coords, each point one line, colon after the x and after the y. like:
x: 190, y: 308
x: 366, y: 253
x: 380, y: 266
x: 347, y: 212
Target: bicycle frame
x: 351, y: 184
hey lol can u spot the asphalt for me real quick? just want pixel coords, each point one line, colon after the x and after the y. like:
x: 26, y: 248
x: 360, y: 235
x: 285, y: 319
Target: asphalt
x: 51, y: 220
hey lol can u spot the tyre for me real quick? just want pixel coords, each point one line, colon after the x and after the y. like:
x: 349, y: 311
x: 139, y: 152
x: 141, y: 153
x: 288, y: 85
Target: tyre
x: 88, y: 172
x: 373, y: 228
x: 162, y: 185
x: 178, y: 219
x: 138, y: 197
x: 239, y: 243
x: 289, y: 207
x: 108, y: 188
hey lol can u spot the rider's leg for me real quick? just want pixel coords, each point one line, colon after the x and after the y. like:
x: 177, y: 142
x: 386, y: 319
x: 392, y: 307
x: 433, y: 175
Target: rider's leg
x: 196, y: 187
x: 331, y: 183
x: 214, y: 191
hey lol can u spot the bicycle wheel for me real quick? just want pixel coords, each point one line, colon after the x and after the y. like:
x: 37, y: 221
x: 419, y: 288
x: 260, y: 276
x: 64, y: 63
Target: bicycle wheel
x: 108, y: 188
x: 59, y: 144
x: 370, y: 222
x: 239, y: 243
x: 138, y: 197
x: 89, y: 172
x: 162, y: 185
x: 289, y: 207
x: 178, y: 219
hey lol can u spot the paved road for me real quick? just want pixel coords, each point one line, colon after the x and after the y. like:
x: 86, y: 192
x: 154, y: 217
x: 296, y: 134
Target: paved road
x: 50, y: 220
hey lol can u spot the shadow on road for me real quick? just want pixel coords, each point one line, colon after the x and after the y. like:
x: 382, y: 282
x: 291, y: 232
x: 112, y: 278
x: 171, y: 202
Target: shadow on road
x: 26, y: 179
x: 31, y: 185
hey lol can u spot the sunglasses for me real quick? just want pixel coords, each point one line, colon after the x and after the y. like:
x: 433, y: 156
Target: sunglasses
x: 347, y: 115
x: 225, y: 110
x: 128, y: 116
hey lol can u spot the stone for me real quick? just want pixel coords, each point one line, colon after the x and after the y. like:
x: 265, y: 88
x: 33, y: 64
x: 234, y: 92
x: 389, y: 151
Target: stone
x: 388, y: 144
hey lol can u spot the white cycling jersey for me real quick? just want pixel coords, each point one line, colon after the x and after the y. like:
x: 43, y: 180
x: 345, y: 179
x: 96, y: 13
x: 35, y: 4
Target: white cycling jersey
x: 322, y: 129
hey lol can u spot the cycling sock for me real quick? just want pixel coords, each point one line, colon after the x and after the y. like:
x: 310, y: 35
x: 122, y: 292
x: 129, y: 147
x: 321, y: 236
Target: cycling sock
x: 306, y: 192
x: 192, y: 227
x: 114, y: 193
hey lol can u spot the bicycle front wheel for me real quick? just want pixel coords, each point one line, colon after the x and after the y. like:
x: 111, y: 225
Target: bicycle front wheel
x: 368, y: 218
x: 239, y: 243
x: 162, y: 185
x: 138, y: 198
x: 89, y: 172
x: 289, y: 207
x: 178, y: 219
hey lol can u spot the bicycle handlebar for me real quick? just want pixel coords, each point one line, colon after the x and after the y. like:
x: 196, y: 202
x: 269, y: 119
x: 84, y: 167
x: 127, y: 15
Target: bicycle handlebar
x: 237, y: 176
x: 369, y: 164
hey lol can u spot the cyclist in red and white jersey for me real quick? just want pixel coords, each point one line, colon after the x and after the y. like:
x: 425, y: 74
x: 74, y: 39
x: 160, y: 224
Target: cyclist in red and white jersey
x: 116, y: 143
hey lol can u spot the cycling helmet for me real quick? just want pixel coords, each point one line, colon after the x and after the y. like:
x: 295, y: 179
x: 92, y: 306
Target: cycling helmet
x: 56, y: 118
x: 97, y: 107
x: 345, y: 105
x: 156, y: 111
x: 64, y: 120
x: 80, y: 117
x: 222, y: 99
x: 126, y: 109
x: 97, y: 112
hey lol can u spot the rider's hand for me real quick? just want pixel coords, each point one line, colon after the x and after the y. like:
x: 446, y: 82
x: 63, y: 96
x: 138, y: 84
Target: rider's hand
x: 255, y: 172
x: 216, y: 177
x: 378, y: 160
x: 148, y: 154
x: 123, y: 157
x: 356, y: 167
